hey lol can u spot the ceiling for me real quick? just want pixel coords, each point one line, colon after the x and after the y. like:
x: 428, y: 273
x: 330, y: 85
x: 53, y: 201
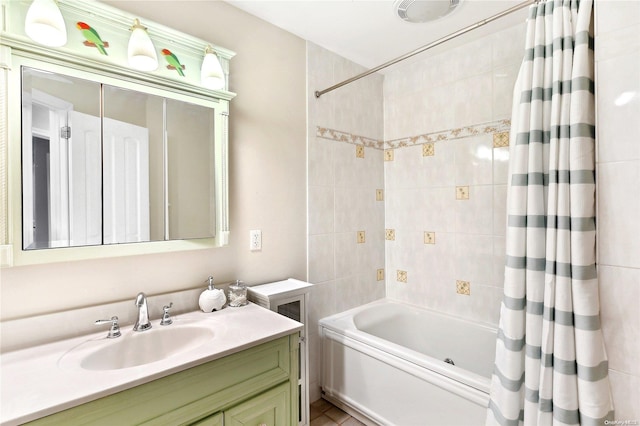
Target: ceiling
x: 369, y: 33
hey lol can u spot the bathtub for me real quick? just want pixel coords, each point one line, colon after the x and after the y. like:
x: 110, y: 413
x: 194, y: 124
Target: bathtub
x: 384, y: 362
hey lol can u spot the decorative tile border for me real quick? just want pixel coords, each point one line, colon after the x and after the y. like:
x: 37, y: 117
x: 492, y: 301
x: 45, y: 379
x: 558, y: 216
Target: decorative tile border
x: 499, y: 126
x: 337, y: 135
x: 445, y: 135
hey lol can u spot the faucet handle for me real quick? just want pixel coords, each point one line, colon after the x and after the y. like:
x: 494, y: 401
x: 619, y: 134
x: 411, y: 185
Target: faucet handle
x: 166, y: 318
x: 114, y: 331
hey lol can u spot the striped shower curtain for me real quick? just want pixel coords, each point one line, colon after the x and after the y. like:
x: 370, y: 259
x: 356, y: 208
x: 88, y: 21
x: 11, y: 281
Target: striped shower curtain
x: 551, y: 366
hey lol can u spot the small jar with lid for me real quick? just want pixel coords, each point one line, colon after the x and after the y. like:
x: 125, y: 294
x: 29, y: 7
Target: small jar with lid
x: 237, y: 294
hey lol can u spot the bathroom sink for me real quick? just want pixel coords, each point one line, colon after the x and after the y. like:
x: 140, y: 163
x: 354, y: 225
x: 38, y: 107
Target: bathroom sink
x: 138, y: 348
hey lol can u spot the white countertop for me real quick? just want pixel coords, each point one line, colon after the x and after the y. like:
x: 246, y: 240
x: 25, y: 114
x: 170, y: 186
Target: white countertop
x: 34, y: 383
x: 285, y: 288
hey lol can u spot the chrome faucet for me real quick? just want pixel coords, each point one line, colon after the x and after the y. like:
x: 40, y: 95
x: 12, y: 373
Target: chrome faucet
x: 142, y: 323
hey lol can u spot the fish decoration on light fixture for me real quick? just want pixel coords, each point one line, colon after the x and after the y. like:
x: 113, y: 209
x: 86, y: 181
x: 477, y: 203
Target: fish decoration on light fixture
x: 92, y: 38
x: 172, y: 60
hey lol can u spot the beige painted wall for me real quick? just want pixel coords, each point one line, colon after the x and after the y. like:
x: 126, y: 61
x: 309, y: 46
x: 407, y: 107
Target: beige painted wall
x: 267, y: 174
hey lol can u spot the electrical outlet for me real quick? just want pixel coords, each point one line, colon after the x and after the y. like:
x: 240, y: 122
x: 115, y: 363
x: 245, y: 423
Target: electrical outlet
x: 255, y: 240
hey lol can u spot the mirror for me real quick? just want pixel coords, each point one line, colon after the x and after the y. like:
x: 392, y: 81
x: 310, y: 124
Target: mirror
x: 106, y: 163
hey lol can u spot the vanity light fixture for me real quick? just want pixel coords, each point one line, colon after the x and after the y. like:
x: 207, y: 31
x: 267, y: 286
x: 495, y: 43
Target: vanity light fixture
x: 141, y: 52
x: 44, y: 23
x: 211, y: 74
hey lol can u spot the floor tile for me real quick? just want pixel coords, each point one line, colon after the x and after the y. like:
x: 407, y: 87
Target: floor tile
x: 323, y: 413
x: 323, y: 421
x: 321, y: 405
x: 337, y: 415
x: 314, y: 412
x: 351, y: 421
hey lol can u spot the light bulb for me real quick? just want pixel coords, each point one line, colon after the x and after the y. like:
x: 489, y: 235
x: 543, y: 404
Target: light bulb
x: 44, y: 23
x: 211, y: 74
x: 141, y: 52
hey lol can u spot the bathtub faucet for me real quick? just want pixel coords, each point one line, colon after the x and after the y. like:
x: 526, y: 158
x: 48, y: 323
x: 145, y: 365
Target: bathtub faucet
x: 142, y: 323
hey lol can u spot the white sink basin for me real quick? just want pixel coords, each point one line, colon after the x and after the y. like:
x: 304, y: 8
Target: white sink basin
x: 138, y: 348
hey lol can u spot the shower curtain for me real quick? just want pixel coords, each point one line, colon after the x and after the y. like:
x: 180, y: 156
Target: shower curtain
x: 551, y: 366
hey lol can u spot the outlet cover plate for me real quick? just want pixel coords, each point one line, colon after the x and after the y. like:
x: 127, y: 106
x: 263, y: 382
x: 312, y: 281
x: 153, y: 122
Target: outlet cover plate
x: 255, y: 240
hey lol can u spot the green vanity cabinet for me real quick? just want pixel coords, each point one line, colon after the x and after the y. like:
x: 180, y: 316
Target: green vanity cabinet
x: 214, y: 420
x: 269, y: 409
x: 253, y: 387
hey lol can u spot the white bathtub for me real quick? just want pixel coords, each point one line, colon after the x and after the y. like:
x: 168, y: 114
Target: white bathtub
x: 385, y: 361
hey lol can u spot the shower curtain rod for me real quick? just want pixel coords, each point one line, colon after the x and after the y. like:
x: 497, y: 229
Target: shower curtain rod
x: 428, y: 46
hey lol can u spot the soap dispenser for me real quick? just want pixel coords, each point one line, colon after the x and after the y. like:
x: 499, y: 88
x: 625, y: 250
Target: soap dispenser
x: 212, y: 299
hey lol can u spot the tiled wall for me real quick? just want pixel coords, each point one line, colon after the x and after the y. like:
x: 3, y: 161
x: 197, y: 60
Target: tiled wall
x: 618, y: 191
x: 445, y: 223
x: 446, y: 163
x: 345, y: 213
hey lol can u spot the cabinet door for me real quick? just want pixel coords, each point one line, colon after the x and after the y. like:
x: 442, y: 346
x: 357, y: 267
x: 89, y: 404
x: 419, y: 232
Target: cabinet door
x: 269, y: 409
x: 213, y: 420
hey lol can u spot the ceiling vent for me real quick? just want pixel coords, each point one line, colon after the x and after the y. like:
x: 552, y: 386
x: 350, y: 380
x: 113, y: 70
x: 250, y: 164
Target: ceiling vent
x: 419, y: 11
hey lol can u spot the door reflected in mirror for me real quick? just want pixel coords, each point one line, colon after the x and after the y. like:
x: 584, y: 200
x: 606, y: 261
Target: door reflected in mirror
x: 133, y: 166
x: 61, y: 176
x: 107, y: 165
